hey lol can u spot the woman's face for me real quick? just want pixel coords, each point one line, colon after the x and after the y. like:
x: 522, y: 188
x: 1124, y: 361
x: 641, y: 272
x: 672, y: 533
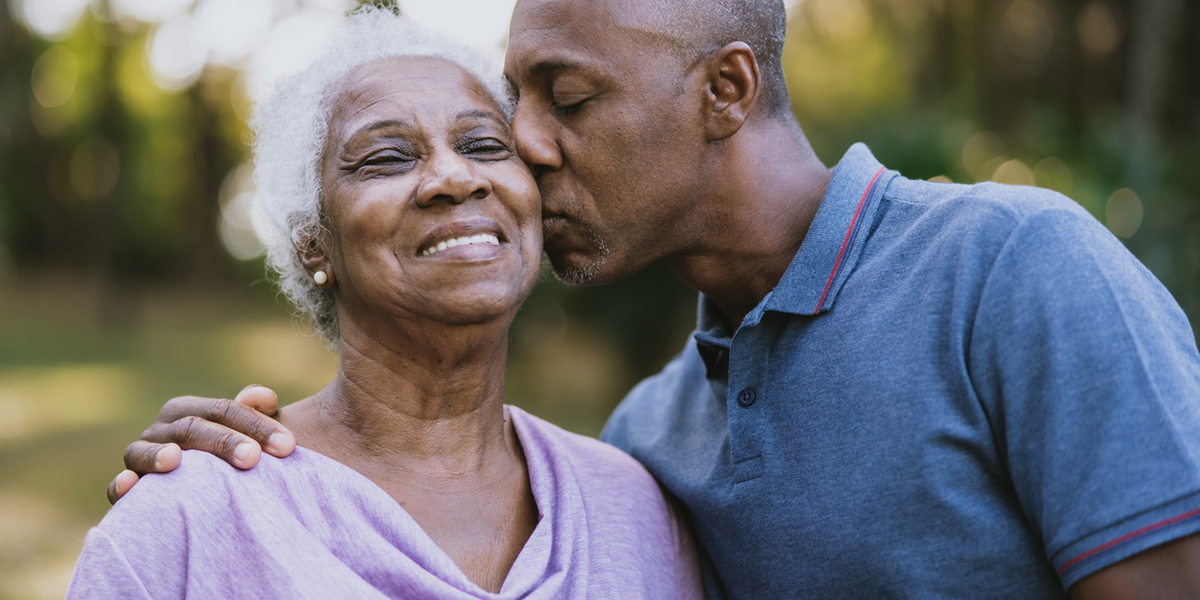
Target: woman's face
x: 430, y: 212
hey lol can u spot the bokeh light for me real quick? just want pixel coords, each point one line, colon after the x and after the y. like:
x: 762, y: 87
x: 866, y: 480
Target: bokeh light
x: 177, y: 53
x: 980, y: 150
x: 1098, y: 29
x: 232, y: 29
x: 148, y: 11
x: 236, y: 227
x: 1013, y: 172
x: 54, y: 76
x: 486, y: 29
x: 1052, y: 173
x: 1124, y: 212
x: 1027, y: 29
x: 51, y: 19
x: 94, y: 168
x: 290, y: 45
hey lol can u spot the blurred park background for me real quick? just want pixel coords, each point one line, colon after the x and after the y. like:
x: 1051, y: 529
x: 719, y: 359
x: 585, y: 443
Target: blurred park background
x: 129, y: 273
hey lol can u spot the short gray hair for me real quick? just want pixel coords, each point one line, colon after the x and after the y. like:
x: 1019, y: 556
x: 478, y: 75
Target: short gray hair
x: 290, y: 129
x: 701, y: 27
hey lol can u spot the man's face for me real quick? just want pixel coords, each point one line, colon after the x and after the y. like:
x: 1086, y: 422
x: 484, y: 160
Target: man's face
x: 613, y: 139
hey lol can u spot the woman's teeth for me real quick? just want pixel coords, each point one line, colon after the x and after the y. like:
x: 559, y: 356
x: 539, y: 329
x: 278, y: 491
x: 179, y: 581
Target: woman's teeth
x: 483, y: 238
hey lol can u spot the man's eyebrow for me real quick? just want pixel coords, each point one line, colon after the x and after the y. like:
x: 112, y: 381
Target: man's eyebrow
x: 550, y: 67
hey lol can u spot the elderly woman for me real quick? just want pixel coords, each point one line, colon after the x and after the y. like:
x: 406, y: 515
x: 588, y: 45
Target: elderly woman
x: 401, y: 220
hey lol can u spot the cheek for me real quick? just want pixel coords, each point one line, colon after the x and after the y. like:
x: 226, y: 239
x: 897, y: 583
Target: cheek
x: 366, y: 225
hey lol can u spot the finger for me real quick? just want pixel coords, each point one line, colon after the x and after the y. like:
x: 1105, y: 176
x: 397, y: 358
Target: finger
x: 260, y: 398
x: 195, y: 433
x: 209, y: 424
x: 121, y: 484
x: 266, y: 401
x: 143, y: 457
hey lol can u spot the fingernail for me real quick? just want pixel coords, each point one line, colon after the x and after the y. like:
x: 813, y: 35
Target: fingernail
x: 276, y: 441
x: 242, y: 452
x: 158, y: 459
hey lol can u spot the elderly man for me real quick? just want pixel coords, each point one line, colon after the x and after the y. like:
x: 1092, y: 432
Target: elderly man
x: 896, y: 388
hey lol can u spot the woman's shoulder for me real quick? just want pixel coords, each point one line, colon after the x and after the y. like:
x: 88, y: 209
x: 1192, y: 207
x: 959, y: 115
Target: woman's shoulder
x: 205, y: 479
x: 203, y: 489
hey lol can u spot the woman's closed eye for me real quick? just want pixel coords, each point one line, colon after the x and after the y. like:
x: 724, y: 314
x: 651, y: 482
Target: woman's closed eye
x: 485, y: 149
x: 387, y: 160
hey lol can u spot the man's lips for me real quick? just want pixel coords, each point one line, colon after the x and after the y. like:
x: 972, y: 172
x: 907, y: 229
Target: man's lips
x: 550, y: 218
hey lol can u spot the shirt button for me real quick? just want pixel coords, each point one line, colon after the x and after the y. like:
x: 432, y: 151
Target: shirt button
x: 747, y: 397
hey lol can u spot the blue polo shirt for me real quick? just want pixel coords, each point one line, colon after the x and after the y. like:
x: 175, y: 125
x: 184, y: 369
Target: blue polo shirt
x: 954, y: 392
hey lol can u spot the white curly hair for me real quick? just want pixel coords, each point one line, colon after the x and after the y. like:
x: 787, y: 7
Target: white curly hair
x: 289, y: 139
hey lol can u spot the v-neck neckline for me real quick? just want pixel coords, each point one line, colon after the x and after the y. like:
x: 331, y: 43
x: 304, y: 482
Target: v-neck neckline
x: 535, y: 551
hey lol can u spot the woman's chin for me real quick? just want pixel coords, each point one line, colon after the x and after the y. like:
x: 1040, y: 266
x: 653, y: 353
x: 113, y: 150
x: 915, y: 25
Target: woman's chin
x: 474, y: 305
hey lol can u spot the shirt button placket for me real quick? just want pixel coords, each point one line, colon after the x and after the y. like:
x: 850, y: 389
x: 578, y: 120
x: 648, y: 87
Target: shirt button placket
x: 745, y: 419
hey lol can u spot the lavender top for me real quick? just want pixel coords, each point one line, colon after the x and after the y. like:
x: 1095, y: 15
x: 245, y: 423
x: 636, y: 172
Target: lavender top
x: 307, y: 526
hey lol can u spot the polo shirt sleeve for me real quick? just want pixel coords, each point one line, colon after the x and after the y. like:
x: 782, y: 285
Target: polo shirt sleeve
x: 1089, y: 374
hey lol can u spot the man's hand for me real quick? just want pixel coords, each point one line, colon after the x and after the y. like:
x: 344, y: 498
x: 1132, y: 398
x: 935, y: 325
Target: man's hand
x: 236, y: 430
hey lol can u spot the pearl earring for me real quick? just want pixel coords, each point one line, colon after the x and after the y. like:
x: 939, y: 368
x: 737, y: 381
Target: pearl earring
x: 320, y: 277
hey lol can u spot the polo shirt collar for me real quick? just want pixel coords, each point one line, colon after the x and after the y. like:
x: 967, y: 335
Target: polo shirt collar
x: 830, y: 250
x: 835, y: 239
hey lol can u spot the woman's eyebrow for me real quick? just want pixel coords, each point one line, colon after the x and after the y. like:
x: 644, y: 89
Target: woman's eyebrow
x: 366, y: 130
x: 478, y: 113
x: 377, y: 125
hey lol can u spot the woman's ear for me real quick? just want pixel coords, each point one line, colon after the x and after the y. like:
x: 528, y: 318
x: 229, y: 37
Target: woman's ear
x: 733, y: 85
x: 315, y: 260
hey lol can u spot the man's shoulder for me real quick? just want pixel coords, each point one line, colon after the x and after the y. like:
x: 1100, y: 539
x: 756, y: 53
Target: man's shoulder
x: 988, y: 207
x: 1001, y: 206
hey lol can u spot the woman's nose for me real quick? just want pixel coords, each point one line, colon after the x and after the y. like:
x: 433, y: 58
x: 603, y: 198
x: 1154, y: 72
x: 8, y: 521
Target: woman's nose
x: 535, y: 139
x: 451, y: 177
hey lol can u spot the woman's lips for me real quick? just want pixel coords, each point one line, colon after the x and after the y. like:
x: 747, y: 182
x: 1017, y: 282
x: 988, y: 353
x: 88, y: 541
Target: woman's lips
x: 473, y: 232
x: 480, y: 238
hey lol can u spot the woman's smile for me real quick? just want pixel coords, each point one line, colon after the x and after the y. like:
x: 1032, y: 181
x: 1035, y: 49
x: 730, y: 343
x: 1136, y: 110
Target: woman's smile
x: 478, y: 239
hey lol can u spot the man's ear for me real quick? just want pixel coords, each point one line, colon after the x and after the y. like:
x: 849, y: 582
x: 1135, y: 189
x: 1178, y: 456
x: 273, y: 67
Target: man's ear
x: 315, y: 260
x: 732, y: 86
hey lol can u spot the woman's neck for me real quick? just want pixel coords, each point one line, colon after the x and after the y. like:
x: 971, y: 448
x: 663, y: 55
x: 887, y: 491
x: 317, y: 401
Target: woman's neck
x: 434, y: 407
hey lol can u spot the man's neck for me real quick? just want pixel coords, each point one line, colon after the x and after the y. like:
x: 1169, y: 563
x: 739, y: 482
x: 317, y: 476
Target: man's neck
x: 773, y: 184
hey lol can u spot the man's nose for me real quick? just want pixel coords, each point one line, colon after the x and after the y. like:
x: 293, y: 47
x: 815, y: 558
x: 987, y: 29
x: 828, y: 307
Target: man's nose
x: 451, y: 177
x: 535, y: 139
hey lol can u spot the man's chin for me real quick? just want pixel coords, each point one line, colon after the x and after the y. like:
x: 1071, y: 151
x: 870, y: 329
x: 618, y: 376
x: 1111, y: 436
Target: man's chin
x: 580, y: 268
x: 574, y: 273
